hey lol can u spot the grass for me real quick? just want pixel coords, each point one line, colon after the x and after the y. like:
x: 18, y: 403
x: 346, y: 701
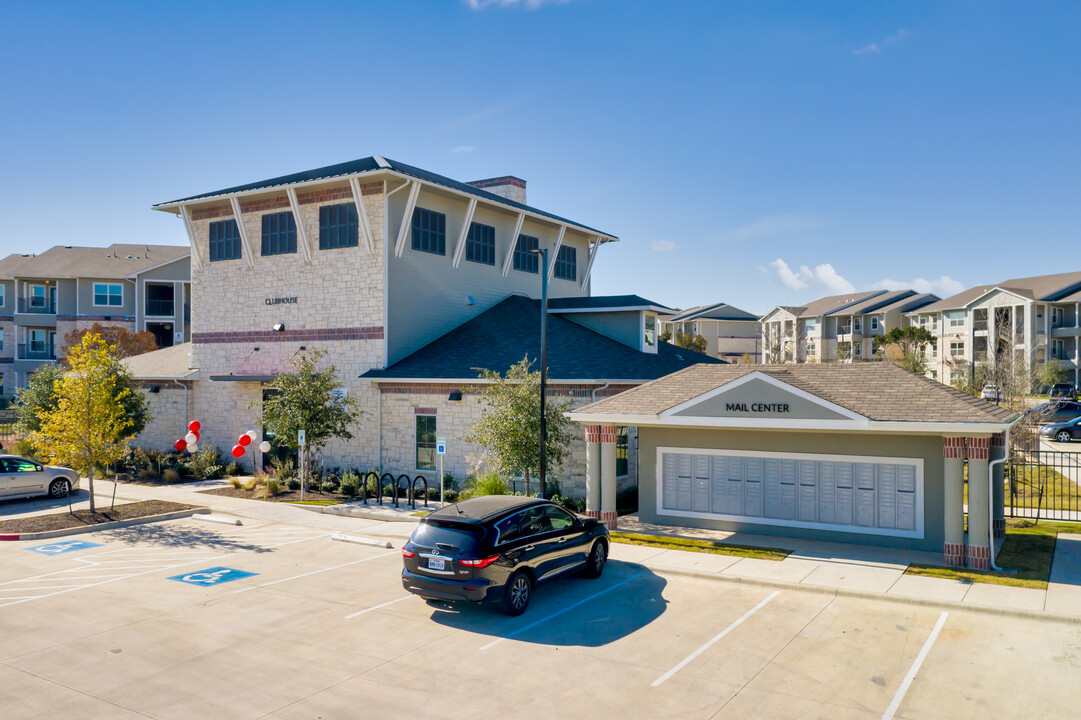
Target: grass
x: 313, y: 502
x: 421, y: 513
x: 706, y: 546
x: 1029, y: 549
x: 1060, y: 492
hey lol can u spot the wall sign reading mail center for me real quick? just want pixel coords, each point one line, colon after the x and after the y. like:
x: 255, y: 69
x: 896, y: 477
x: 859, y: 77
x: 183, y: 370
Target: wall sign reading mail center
x: 281, y: 301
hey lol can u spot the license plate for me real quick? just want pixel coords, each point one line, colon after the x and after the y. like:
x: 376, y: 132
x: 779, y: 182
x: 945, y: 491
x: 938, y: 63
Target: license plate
x: 436, y: 563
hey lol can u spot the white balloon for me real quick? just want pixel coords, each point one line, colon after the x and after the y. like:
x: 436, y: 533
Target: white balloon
x: 190, y: 439
x: 252, y: 434
x: 264, y: 447
x: 193, y: 447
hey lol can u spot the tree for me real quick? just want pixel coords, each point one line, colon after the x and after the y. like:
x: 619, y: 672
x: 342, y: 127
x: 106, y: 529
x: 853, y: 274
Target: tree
x: 688, y: 341
x: 38, y: 395
x: 308, y: 400
x: 843, y: 351
x: 89, y: 427
x: 665, y: 336
x: 1053, y: 371
x: 510, y: 425
x: 914, y: 362
x: 123, y: 342
x: 909, y: 340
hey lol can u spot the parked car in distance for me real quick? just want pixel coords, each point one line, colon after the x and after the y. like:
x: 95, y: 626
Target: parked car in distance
x: 1059, y: 411
x: 20, y: 477
x: 1063, y: 391
x: 991, y: 392
x: 498, y: 548
x: 1063, y: 432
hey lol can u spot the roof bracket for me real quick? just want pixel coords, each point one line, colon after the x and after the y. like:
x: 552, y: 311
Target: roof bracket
x: 243, y: 231
x: 513, y: 243
x: 302, y: 230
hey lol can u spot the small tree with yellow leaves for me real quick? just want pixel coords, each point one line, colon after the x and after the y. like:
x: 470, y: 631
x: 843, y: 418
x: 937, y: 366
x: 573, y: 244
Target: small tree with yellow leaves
x: 89, y: 427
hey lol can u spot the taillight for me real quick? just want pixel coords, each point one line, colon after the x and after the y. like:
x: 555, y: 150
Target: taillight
x: 407, y: 553
x: 481, y: 563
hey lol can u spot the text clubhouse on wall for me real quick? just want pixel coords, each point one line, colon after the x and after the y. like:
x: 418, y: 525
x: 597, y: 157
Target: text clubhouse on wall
x: 281, y: 301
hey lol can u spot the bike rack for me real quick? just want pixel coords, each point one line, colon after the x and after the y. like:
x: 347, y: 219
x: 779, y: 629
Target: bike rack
x: 413, y: 491
x: 398, y: 485
x: 364, y: 483
x: 383, y: 483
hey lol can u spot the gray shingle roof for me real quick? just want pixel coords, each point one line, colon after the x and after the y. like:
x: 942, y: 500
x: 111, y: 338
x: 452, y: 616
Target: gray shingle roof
x: 166, y: 363
x: 505, y: 333
x: 717, y: 311
x: 116, y: 261
x: 876, y: 390
x: 1052, y: 288
x: 602, y: 302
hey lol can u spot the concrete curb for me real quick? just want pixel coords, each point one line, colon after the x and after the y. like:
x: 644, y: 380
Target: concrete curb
x: 175, y: 515
x: 867, y: 595
x: 363, y: 541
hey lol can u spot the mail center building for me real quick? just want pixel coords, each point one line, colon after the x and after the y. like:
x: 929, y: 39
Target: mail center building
x: 864, y: 453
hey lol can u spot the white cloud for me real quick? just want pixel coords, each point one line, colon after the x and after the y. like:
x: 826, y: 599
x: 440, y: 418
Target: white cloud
x: 463, y: 149
x: 662, y: 246
x: 943, y: 286
x: 759, y: 268
x: 527, y: 4
x: 822, y: 277
x: 877, y: 47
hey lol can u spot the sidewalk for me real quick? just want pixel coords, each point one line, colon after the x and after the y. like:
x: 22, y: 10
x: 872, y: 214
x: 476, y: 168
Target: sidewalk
x: 858, y: 570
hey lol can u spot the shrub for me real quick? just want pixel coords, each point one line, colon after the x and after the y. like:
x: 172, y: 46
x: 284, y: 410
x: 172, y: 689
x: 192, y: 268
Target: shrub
x: 202, y: 461
x: 170, y: 475
x: 572, y: 504
x: 214, y: 472
x: 235, y: 483
x: 449, y: 483
x: 349, y: 488
x: 449, y: 495
x: 185, y: 468
x: 25, y: 448
x: 292, y: 483
x: 329, y: 486
x: 283, y: 468
x: 234, y: 468
x: 491, y: 484
x: 272, y: 487
x: 250, y: 484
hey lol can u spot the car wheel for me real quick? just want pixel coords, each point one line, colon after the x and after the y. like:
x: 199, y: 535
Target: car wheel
x: 59, y: 488
x: 598, y: 556
x: 516, y: 596
x: 1063, y: 436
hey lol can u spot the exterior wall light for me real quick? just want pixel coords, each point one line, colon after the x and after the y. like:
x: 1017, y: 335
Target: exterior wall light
x: 455, y: 396
x: 279, y: 327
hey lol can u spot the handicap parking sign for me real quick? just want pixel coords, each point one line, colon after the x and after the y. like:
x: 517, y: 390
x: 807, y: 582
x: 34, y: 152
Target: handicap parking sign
x: 63, y: 547
x: 212, y: 576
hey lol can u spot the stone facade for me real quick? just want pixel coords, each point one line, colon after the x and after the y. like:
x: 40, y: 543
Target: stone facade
x: 168, y: 415
x: 7, y: 356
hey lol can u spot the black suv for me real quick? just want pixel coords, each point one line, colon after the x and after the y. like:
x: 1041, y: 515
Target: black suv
x: 496, y: 548
x: 1062, y: 391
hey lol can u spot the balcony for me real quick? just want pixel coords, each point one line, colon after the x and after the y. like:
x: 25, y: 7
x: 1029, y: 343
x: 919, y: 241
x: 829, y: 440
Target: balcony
x: 36, y: 351
x: 979, y: 326
x: 37, y: 306
x: 159, y: 308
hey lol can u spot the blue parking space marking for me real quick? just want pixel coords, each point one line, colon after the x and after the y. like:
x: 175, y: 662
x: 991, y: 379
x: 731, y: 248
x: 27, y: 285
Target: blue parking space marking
x: 212, y: 576
x: 62, y: 547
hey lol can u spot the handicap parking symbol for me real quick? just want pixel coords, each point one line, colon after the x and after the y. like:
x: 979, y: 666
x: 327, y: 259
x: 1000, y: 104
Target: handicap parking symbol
x: 212, y: 576
x: 63, y: 547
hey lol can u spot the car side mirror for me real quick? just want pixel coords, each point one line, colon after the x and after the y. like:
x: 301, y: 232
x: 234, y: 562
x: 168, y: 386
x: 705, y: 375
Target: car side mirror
x: 40, y: 468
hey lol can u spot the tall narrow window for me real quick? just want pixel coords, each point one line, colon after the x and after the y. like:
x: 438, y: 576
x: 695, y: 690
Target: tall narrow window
x: 566, y: 263
x: 649, y: 333
x: 429, y: 231
x: 425, y: 442
x: 524, y: 258
x: 337, y: 226
x: 224, y: 240
x: 279, y: 234
x: 622, y: 444
x: 480, y: 244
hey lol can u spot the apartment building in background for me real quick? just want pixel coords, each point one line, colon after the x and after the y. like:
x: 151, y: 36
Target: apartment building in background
x: 838, y: 328
x: 1037, y: 318
x: 730, y: 333
x: 45, y: 296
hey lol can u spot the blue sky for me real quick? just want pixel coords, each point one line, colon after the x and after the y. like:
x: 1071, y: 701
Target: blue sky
x: 754, y: 153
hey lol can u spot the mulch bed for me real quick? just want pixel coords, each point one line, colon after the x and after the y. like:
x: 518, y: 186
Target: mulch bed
x: 284, y: 496
x: 82, y: 518
x: 127, y: 479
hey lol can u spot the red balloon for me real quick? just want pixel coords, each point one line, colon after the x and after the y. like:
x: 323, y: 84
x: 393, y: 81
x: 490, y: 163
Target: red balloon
x: 244, y: 440
x: 197, y: 438
x: 180, y: 445
x: 238, y: 451
x: 194, y: 426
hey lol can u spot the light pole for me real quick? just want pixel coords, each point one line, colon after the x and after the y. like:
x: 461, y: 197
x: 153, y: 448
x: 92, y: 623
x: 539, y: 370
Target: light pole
x: 543, y: 252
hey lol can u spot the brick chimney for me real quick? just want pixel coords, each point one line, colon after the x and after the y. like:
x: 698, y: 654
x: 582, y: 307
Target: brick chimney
x: 507, y: 186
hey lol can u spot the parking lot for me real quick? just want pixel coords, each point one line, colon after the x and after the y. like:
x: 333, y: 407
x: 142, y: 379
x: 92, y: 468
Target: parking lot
x: 187, y: 619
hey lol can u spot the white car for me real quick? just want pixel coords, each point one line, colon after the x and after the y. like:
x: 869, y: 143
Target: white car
x: 20, y: 477
x: 991, y: 392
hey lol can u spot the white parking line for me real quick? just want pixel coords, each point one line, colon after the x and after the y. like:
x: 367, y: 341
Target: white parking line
x: 583, y: 601
x: 900, y: 695
x: 313, y: 572
x: 348, y: 617
x: 683, y: 663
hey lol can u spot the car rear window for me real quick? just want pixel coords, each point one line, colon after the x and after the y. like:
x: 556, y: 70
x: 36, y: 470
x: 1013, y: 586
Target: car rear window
x: 463, y: 536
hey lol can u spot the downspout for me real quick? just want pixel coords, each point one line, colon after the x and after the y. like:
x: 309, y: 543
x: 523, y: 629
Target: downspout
x: 180, y: 384
x: 990, y: 498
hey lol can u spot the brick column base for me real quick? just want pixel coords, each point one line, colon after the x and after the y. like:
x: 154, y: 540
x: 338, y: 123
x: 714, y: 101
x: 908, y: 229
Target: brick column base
x: 609, y: 519
x: 593, y: 513
x: 953, y: 554
x: 979, y: 557
x: 1000, y: 527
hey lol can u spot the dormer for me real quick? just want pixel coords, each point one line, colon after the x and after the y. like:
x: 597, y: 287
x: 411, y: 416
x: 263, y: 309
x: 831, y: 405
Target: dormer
x: 629, y: 319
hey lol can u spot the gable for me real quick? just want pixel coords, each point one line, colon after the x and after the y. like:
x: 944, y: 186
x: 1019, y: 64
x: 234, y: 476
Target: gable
x: 761, y: 397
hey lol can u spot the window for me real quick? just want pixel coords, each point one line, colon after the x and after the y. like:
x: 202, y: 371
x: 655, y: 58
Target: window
x: 956, y: 318
x: 480, y: 244
x: 622, y: 444
x: 1058, y: 349
x: 1, y: 345
x: 558, y: 518
x: 811, y: 325
x: 524, y: 258
x: 507, y: 529
x: 566, y: 263
x: 858, y: 325
x: 1057, y: 313
x: 425, y: 441
x: 934, y: 374
x: 649, y: 332
x: 2, y: 297
x: 279, y: 234
x: 534, y: 521
x: 957, y: 377
x: 857, y: 350
x: 37, y: 296
x: 337, y: 226
x: 429, y: 231
x: 810, y: 349
x: 14, y: 465
x: 108, y: 294
x: 224, y: 240
x: 874, y: 323
x: 957, y: 349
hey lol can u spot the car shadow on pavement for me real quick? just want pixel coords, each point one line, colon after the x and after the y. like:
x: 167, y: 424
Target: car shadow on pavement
x: 587, y: 613
x: 18, y: 506
x: 166, y: 534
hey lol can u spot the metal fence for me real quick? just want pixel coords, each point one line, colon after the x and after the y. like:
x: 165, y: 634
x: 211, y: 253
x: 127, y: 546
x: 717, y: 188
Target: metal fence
x: 1044, y: 484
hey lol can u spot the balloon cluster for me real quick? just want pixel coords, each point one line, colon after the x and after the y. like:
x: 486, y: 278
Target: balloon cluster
x: 243, y: 442
x: 189, y: 442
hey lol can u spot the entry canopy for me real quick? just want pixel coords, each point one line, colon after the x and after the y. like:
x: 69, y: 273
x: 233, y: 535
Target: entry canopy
x: 871, y: 396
